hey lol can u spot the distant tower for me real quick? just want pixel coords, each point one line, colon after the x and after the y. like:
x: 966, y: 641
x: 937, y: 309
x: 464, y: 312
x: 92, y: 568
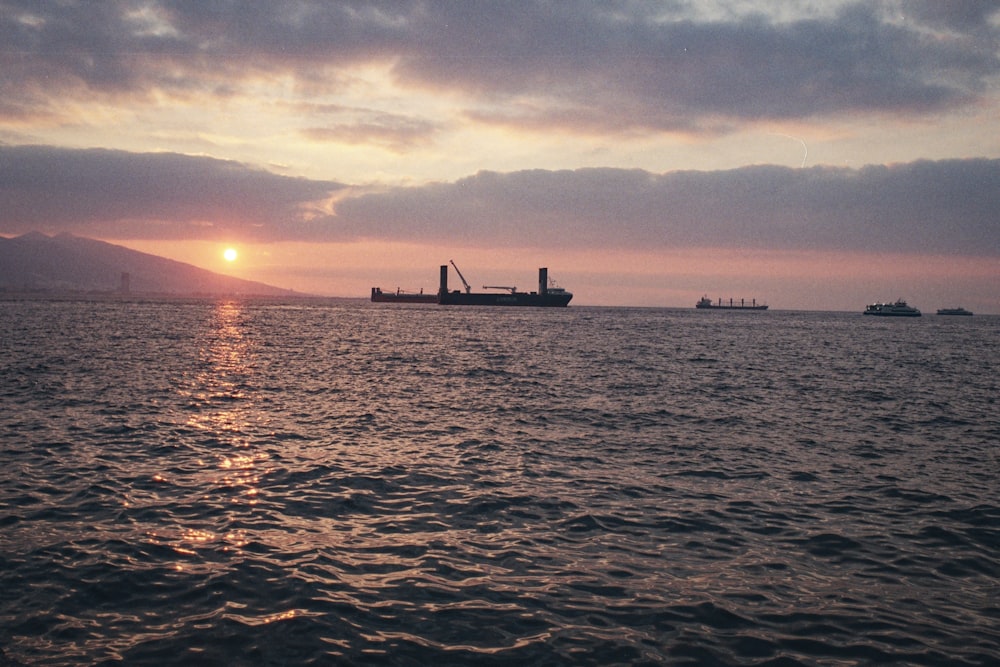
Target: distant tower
x: 126, y: 279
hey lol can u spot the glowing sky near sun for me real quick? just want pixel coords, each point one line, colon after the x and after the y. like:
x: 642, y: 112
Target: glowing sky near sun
x: 810, y: 154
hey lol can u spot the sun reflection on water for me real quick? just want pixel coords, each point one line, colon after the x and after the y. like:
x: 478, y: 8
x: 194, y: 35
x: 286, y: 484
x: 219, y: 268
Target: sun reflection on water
x: 223, y: 404
x: 222, y: 392
x: 225, y: 370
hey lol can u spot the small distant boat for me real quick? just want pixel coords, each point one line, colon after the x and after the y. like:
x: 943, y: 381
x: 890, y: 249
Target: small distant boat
x: 399, y: 296
x: 954, y: 311
x: 898, y: 309
x: 707, y: 303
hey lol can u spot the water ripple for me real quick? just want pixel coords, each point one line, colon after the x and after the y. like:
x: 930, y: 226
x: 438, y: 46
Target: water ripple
x: 338, y: 483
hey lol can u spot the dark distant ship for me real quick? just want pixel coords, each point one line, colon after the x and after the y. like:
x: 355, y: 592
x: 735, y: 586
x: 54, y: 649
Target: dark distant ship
x: 898, y: 309
x: 707, y: 303
x: 547, y: 296
x: 954, y: 311
x: 399, y: 296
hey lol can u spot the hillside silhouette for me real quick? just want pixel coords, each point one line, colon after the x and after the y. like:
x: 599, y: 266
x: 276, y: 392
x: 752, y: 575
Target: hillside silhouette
x: 66, y: 262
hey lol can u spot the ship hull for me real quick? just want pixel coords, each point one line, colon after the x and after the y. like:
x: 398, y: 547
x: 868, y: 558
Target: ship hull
x: 715, y: 307
x: 378, y: 296
x: 516, y: 299
x: 409, y: 298
x: 893, y: 314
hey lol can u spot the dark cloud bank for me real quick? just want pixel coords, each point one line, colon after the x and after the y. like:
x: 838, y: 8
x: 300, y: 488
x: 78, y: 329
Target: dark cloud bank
x: 116, y: 194
x: 598, y: 66
x: 946, y: 206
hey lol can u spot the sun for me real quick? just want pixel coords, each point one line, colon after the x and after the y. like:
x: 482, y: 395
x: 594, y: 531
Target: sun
x: 230, y: 254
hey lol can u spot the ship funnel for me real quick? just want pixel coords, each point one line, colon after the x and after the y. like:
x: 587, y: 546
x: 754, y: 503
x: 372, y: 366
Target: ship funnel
x: 443, y: 287
x: 543, y: 281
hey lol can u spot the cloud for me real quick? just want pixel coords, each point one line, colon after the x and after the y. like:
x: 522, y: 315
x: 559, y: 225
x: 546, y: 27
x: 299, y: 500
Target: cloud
x: 642, y: 71
x: 596, y: 67
x: 115, y: 194
x: 395, y: 132
x: 968, y: 16
x: 942, y: 207
x: 921, y: 207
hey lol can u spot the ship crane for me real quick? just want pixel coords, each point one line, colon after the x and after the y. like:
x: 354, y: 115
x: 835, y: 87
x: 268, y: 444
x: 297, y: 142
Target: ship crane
x: 468, y: 287
x: 509, y: 289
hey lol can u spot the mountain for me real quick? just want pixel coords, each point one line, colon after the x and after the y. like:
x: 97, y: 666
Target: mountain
x: 35, y: 261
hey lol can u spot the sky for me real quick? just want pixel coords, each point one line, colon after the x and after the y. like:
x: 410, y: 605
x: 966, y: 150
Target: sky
x: 813, y: 155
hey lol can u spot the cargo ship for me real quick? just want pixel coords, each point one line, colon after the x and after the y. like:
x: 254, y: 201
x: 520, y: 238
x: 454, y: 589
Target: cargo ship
x: 399, y: 296
x: 547, y: 296
x: 707, y: 303
x: 898, y: 309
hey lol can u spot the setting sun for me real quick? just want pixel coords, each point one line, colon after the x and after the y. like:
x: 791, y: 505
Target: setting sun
x: 230, y: 254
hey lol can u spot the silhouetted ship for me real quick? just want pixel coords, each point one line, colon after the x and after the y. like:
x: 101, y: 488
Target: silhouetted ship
x: 399, y: 296
x: 954, y: 311
x: 707, y: 304
x: 898, y: 309
x: 547, y: 296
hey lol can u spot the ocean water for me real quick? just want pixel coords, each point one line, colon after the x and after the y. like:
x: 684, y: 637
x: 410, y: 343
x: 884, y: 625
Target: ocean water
x: 288, y: 483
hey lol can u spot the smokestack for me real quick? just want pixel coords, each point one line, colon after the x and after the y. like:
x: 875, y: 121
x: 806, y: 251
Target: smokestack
x: 443, y: 288
x: 543, y: 281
